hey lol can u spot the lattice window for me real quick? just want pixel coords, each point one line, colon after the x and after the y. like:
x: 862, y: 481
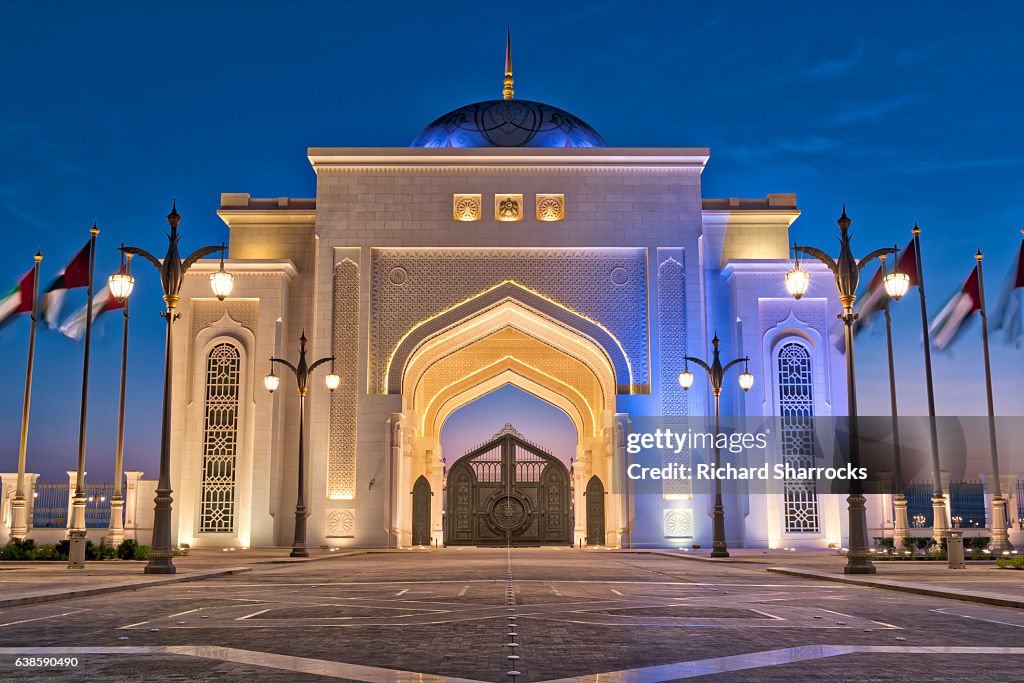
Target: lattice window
x: 220, y: 440
x: 796, y: 410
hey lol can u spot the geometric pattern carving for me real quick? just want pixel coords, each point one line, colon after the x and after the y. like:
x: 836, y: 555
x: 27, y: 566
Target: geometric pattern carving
x: 206, y: 313
x: 341, y: 449
x: 220, y: 440
x: 678, y: 524
x: 341, y: 523
x: 467, y: 207
x: 550, y: 207
x: 672, y: 345
x: 812, y: 313
x: 796, y: 412
x: 576, y: 279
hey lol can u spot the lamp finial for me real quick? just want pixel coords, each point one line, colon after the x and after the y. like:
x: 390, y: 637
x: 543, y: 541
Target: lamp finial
x: 508, y: 92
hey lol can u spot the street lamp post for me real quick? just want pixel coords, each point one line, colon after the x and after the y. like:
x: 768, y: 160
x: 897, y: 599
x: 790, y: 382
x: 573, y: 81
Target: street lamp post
x: 846, y: 270
x: 172, y: 276
x: 120, y: 284
x: 716, y: 373
x: 895, y: 285
x: 302, y: 371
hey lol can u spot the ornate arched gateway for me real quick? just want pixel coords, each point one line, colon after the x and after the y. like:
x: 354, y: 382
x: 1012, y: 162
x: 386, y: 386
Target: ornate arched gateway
x: 508, y: 492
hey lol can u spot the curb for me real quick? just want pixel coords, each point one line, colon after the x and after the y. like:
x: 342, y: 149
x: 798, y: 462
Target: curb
x: 914, y: 588
x: 695, y: 558
x: 85, y: 592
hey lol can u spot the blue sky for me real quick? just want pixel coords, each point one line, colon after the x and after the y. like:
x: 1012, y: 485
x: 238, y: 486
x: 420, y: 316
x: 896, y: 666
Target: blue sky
x: 903, y: 111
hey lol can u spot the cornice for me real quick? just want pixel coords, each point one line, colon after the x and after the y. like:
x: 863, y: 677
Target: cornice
x: 248, y: 267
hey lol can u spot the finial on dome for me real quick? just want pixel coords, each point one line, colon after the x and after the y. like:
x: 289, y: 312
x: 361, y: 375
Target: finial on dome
x: 508, y: 92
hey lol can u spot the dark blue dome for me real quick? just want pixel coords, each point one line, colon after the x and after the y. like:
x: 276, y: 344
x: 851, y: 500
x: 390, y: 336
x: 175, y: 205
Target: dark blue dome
x: 508, y: 123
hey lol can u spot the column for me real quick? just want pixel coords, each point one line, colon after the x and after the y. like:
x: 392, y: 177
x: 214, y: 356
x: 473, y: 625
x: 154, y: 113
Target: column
x: 131, y: 502
x: 72, y: 478
x: 8, y: 484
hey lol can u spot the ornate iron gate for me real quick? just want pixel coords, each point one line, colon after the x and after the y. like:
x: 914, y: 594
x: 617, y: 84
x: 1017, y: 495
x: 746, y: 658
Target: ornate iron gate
x: 508, y: 492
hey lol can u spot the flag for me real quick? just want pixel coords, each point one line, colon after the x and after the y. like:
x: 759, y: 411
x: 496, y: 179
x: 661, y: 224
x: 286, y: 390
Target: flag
x: 19, y: 298
x: 76, y: 274
x: 1009, y: 313
x: 948, y: 324
x: 74, y: 326
x: 872, y: 302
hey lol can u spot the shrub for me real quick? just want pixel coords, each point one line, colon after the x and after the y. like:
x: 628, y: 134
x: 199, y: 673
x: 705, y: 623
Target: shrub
x: 45, y: 552
x: 17, y: 549
x: 63, y: 548
x: 127, y: 549
x: 142, y: 552
x: 1010, y: 562
x: 908, y: 542
x: 885, y: 543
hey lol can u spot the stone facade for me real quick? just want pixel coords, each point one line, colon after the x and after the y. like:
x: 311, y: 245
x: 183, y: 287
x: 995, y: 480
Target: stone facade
x: 613, y: 269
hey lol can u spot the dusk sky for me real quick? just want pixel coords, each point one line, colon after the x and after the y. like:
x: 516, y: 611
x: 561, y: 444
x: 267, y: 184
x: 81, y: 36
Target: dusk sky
x: 904, y: 112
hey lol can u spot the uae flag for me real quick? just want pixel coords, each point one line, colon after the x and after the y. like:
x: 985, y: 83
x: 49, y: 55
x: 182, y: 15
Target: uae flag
x: 950, y: 321
x: 74, y: 326
x: 872, y: 302
x: 76, y: 274
x: 1009, y: 313
x: 18, y: 299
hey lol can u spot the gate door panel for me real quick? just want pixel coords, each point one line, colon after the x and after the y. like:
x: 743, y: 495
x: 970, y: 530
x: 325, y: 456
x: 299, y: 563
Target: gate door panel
x: 595, y: 511
x: 508, y: 492
x: 421, y: 512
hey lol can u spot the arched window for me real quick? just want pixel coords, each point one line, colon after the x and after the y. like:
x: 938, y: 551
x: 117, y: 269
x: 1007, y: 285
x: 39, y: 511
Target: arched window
x: 220, y: 440
x: 796, y: 411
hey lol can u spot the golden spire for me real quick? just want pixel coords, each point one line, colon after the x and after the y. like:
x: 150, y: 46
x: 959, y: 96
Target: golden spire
x: 508, y: 91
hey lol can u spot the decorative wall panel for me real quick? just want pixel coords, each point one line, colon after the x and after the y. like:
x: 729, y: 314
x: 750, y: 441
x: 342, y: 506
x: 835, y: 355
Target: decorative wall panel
x: 220, y: 440
x: 672, y: 348
x: 678, y: 523
x: 607, y: 286
x: 341, y: 453
x: 341, y: 523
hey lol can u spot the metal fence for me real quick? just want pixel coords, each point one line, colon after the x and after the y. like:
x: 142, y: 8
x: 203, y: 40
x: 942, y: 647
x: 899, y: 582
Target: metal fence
x: 51, y: 503
x: 966, y: 501
x: 1020, y: 502
x: 919, y: 503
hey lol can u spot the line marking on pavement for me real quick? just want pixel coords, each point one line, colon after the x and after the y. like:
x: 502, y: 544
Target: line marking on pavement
x: 616, y: 592
x: 249, y: 616
x: 463, y: 591
x: 319, y: 667
x: 402, y: 592
x: 767, y: 658
x: 943, y: 610
x: 52, y: 616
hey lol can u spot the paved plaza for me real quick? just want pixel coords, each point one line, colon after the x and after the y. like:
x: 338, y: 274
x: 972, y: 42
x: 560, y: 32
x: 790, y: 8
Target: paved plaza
x: 460, y: 614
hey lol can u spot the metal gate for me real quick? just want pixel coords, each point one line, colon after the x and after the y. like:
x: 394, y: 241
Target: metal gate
x: 421, y: 512
x: 508, y: 492
x: 595, y: 511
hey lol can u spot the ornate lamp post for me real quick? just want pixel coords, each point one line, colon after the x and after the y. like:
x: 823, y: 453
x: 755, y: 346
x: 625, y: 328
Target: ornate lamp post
x: 172, y: 275
x: 896, y: 285
x: 716, y: 373
x: 121, y: 285
x: 846, y: 270
x: 302, y: 371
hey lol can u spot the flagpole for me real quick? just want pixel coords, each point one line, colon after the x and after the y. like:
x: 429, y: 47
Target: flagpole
x: 940, y: 520
x: 19, y: 506
x: 900, y: 522
x: 77, y: 532
x: 1000, y: 538
x: 116, y: 527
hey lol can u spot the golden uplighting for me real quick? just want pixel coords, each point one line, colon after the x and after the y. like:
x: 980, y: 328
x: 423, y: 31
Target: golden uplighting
x: 550, y: 207
x: 467, y: 207
x: 508, y: 207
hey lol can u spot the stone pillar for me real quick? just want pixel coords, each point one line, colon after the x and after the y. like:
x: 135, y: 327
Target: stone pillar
x: 8, y: 484
x: 435, y: 473
x: 15, y: 513
x: 131, y: 502
x: 30, y: 497
x: 579, y: 501
x: 115, y: 528
x: 620, y: 461
x: 394, y: 472
x: 996, y: 507
x: 72, y: 478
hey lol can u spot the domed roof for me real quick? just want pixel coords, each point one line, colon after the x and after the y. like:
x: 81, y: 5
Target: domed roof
x: 508, y: 123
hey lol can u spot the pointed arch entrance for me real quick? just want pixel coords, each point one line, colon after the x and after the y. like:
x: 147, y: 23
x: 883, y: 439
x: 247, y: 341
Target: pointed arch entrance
x: 508, y: 492
x: 508, y: 342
